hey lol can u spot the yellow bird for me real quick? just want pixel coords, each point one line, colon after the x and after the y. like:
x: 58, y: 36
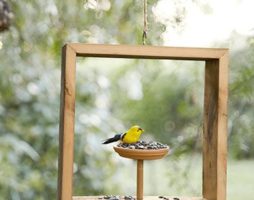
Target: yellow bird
x: 131, y: 136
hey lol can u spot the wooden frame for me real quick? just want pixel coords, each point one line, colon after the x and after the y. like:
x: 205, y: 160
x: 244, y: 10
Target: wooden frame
x: 215, y: 108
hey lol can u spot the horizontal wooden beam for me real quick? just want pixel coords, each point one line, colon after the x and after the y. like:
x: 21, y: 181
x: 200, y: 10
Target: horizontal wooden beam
x: 146, y: 52
x: 145, y: 198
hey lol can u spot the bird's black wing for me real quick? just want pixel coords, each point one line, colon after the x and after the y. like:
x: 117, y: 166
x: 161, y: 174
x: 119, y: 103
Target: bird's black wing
x: 113, y: 139
x: 123, y: 135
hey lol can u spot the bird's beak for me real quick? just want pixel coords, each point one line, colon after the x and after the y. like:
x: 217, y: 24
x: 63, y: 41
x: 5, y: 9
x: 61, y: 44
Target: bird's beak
x: 141, y: 129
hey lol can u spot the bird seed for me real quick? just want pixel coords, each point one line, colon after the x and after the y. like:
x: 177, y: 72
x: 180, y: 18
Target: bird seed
x: 144, y: 145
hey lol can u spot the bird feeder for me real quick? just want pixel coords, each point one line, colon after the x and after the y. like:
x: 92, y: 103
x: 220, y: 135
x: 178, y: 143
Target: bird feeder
x: 214, y: 118
x: 140, y: 156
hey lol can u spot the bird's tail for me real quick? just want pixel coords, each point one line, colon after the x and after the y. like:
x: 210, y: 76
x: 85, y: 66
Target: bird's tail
x: 113, y: 139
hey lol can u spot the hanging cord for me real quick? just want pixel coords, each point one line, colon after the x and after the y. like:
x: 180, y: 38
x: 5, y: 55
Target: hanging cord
x: 144, y: 36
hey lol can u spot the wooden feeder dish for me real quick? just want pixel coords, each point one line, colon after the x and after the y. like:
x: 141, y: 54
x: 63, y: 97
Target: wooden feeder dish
x: 140, y: 155
x: 214, y: 117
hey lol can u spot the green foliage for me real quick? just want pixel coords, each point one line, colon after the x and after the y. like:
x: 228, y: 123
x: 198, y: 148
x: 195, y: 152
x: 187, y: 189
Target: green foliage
x: 241, y: 129
x: 166, y: 98
x: 29, y: 85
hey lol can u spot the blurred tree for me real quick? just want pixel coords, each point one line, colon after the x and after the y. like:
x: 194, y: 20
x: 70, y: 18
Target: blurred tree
x: 5, y: 15
x: 30, y: 58
x: 241, y: 129
x: 165, y: 97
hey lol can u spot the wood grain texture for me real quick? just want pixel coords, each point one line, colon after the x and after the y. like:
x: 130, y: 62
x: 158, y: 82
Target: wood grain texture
x: 215, y: 129
x: 140, y: 179
x: 223, y: 128
x: 137, y: 154
x: 66, y: 127
x: 146, y: 52
x: 145, y: 198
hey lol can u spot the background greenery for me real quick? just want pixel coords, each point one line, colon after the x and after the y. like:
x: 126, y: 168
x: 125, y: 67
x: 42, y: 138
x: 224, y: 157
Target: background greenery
x: 112, y: 94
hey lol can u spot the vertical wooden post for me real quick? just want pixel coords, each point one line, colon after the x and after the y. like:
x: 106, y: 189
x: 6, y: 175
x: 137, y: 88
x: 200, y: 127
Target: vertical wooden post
x: 215, y: 129
x: 66, y: 127
x: 140, y: 179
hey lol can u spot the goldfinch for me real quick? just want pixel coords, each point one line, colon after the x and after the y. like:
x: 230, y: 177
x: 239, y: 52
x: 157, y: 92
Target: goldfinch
x: 131, y: 136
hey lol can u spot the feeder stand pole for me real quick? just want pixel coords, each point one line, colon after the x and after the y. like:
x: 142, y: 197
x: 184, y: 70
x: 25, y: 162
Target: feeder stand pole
x: 139, y: 179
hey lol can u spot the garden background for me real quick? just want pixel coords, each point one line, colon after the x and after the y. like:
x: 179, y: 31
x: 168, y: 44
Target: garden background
x: 163, y: 97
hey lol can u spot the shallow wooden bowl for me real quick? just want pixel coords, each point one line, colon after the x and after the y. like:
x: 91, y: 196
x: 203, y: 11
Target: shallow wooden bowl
x: 140, y: 154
